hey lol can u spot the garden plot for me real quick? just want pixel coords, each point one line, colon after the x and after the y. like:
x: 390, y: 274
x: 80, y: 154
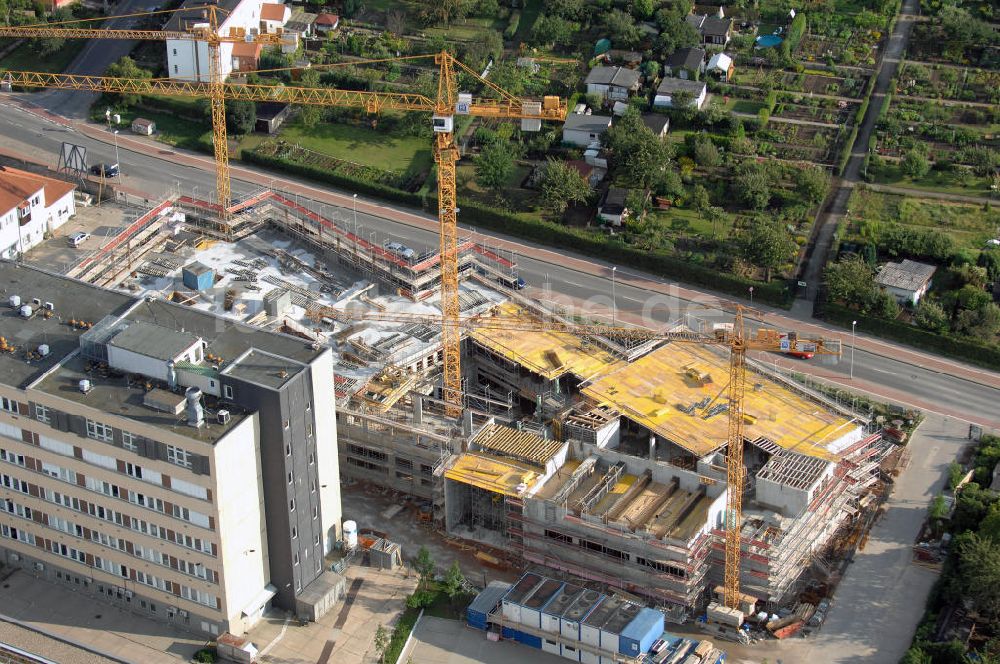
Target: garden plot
x: 816, y: 109
x: 799, y: 142
x: 825, y: 84
x: 952, y: 83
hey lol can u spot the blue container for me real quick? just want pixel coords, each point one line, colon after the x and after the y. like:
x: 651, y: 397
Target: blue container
x: 768, y: 41
x: 507, y: 633
x: 198, y: 276
x: 528, y: 639
x: 639, y: 635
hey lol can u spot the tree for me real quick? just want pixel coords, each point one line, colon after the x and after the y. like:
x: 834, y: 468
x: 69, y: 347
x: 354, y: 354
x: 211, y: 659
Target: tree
x: 127, y: 68
x: 930, y: 316
x: 955, y: 474
x: 715, y: 216
x: 990, y: 260
x: 981, y: 323
x: 444, y: 11
x: 489, y: 46
x: 753, y: 186
x: 850, y: 280
x: 979, y: 573
x: 424, y: 565
x: 884, y: 305
x: 381, y: 642
x: 395, y: 21
x: 553, y: 30
x: 706, y: 154
x: 699, y: 198
x: 642, y: 9
x: 568, y: 9
x: 915, y: 162
x: 240, y: 116
x: 813, y: 182
x: 916, y: 655
x: 767, y: 245
x: 637, y: 152
x: 309, y: 114
x: 622, y: 27
x: 494, y: 165
x: 454, y: 581
x: 562, y: 185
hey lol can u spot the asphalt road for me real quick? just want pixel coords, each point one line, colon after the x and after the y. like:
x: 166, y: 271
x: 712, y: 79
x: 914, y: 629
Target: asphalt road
x: 94, y: 59
x: 874, y: 372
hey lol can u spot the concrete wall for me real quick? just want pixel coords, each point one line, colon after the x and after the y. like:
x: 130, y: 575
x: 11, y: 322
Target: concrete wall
x: 327, y: 457
x: 240, y: 522
x: 788, y: 500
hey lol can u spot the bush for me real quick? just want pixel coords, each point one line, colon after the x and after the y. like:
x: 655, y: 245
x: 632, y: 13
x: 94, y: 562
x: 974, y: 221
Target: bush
x: 206, y: 656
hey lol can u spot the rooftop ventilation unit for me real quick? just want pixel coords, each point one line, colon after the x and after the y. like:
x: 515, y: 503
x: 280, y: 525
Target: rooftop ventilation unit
x: 26, y: 311
x: 15, y: 301
x: 223, y: 417
x: 85, y: 386
x: 195, y: 412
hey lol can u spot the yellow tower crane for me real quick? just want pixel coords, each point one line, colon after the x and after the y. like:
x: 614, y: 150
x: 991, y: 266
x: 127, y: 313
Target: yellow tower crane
x: 736, y: 339
x: 207, y: 30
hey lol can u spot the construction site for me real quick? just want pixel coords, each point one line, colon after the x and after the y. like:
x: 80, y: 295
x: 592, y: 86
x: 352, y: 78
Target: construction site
x: 589, y: 455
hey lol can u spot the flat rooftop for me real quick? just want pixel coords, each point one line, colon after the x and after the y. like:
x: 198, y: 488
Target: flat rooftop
x: 113, y: 394
x: 263, y: 368
x: 150, y: 340
x: 653, y: 390
x: 71, y: 301
x: 549, y: 354
x: 520, y: 445
x: 493, y: 473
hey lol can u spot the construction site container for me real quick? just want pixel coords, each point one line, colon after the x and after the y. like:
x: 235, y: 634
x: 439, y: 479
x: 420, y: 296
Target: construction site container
x: 534, y: 605
x: 527, y: 639
x: 640, y: 633
x: 588, y: 657
x: 477, y: 615
x: 724, y: 615
x: 551, y: 646
x: 571, y: 653
x: 198, y: 276
x: 512, y: 601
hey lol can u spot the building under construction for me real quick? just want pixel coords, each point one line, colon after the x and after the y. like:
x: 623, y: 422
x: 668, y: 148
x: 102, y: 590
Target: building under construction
x: 580, y: 454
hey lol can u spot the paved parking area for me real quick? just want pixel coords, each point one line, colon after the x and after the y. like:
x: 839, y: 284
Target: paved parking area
x: 440, y: 641
x: 343, y: 636
x: 78, y: 618
x: 100, y: 222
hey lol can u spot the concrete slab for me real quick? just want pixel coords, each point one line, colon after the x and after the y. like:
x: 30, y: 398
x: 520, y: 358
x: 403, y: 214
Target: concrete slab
x: 101, y: 222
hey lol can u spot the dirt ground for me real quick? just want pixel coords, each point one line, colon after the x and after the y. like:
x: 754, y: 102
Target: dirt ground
x: 366, y: 504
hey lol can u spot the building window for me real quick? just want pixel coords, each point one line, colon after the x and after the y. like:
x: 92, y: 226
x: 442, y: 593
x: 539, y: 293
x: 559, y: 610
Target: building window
x: 288, y: 449
x: 312, y: 459
x: 312, y: 486
x: 295, y: 559
x: 289, y: 477
x: 227, y: 391
x: 128, y: 442
x: 8, y: 404
x: 175, y: 69
x: 133, y: 470
x: 178, y: 456
x: 295, y: 532
x: 315, y: 512
x: 42, y: 413
x: 175, y: 51
x: 291, y: 505
x: 99, y: 431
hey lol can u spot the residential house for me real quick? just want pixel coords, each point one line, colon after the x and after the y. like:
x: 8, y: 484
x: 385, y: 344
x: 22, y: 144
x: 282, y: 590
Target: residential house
x: 301, y: 24
x: 721, y: 65
x: 270, y: 116
x: 657, y: 123
x: 685, y: 63
x: 613, y: 83
x: 274, y: 16
x: 585, y: 130
x: 714, y: 30
x: 246, y: 56
x: 143, y: 127
x: 907, y: 281
x: 188, y: 59
x: 30, y: 206
x: 326, y: 23
x: 670, y: 86
x: 612, y: 208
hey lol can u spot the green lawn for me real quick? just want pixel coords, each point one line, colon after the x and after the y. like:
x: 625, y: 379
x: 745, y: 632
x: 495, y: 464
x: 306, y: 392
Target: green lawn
x: 969, y: 225
x: 24, y: 58
x: 169, y: 128
x: 745, y: 106
x: 684, y: 222
x: 517, y: 198
x: 947, y: 182
x: 371, y: 147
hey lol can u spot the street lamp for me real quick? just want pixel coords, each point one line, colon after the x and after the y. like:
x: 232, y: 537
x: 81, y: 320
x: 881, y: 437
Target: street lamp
x: 751, y: 296
x: 854, y: 324
x: 355, y: 218
x: 614, y: 298
x: 117, y: 161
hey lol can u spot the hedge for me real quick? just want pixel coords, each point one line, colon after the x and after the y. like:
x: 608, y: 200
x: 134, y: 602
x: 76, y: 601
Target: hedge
x: 956, y: 347
x: 335, y: 179
x: 845, y: 153
x: 611, y: 249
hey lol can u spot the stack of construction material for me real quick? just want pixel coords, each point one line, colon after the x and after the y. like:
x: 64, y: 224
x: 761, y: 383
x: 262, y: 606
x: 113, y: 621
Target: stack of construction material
x: 792, y: 623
